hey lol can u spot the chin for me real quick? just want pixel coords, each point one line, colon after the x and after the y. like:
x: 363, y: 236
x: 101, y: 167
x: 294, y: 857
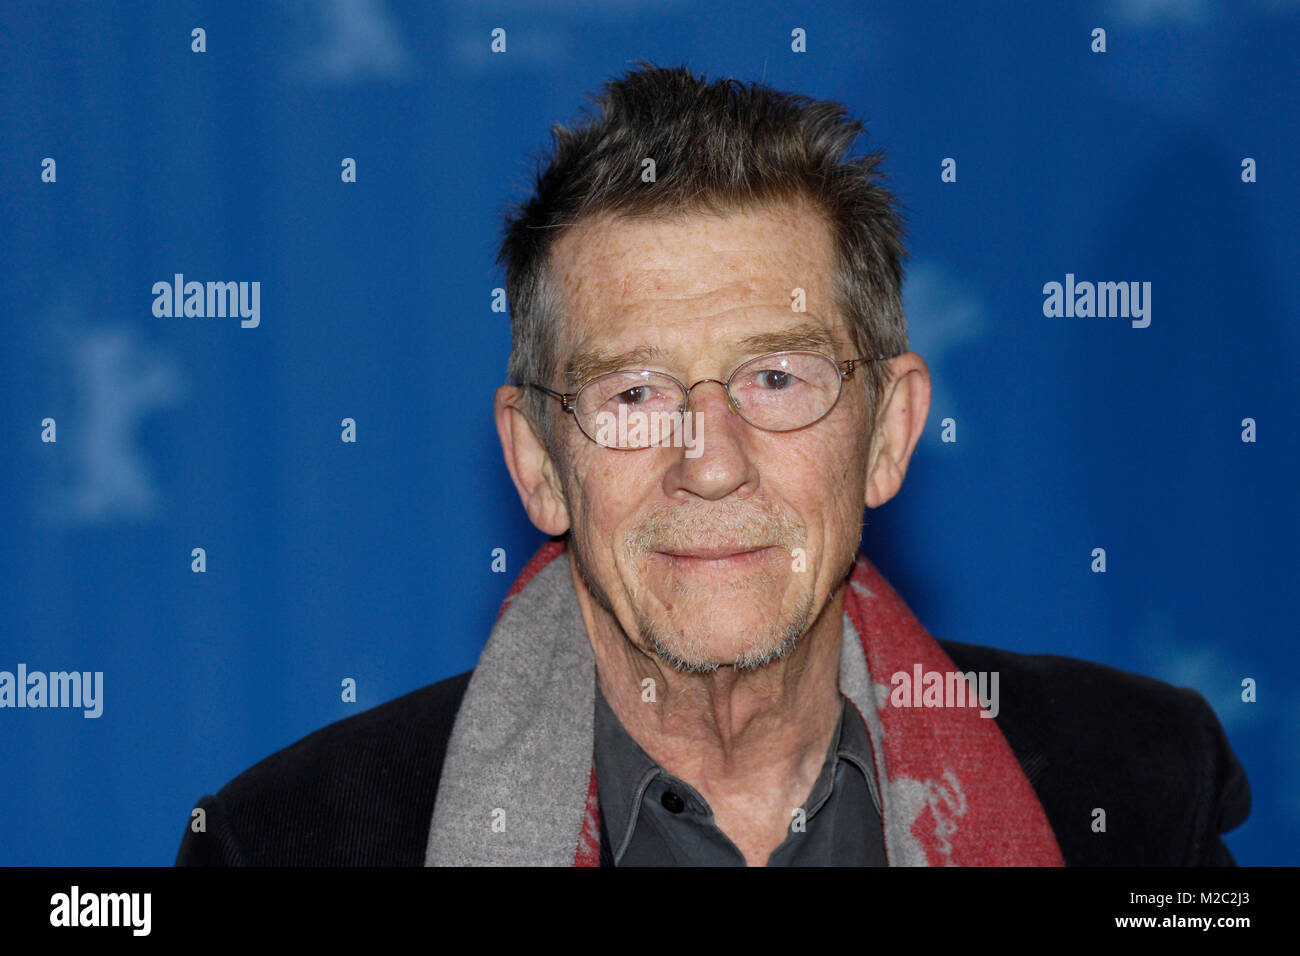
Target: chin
x: 750, y: 640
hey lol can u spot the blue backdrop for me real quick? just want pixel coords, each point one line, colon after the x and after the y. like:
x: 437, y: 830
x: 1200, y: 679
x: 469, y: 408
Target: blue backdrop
x: 371, y: 560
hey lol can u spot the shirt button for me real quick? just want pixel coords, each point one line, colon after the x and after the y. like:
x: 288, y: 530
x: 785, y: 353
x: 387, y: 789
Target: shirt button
x: 672, y: 802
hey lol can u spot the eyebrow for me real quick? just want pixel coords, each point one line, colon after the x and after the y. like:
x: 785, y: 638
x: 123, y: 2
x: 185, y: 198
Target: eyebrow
x: 594, y: 362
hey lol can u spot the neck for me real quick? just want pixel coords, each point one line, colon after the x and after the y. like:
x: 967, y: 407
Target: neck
x: 729, y: 733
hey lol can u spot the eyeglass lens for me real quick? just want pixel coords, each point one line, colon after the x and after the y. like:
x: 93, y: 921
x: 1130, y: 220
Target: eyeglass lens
x: 778, y: 392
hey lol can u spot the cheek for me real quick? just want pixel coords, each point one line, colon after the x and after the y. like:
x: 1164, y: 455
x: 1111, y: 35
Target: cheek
x: 604, y: 496
x: 826, y: 463
x: 830, y: 489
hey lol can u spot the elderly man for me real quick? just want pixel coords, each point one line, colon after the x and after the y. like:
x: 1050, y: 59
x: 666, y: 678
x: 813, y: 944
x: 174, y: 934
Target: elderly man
x: 711, y: 381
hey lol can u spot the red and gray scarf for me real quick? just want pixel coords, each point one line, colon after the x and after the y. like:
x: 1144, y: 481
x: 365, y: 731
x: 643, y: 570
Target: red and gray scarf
x: 518, y: 785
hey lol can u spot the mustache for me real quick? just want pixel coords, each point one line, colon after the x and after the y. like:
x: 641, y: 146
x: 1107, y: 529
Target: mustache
x: 736, y: 525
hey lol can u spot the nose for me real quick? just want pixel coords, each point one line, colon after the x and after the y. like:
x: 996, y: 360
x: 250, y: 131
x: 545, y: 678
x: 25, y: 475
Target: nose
x: 690, y: 392
x: 721, y: 465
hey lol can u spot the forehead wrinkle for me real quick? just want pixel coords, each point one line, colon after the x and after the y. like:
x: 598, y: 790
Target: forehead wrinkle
x: 610, y: 258
x: 606, y: 279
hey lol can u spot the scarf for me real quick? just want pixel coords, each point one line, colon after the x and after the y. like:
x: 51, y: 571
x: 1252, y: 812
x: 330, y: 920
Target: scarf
x: 518, y: 785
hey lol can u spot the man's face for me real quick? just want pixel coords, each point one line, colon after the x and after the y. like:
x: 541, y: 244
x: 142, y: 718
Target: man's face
x: 725, y: 555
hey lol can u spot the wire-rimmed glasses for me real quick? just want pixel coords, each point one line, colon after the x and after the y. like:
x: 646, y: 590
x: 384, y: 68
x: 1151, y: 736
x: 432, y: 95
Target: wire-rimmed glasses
x: 777, y: 392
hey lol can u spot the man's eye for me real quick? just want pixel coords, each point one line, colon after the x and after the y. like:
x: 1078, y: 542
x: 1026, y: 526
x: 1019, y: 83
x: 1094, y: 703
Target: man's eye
x: 634, y: 396
x: 773, y: 379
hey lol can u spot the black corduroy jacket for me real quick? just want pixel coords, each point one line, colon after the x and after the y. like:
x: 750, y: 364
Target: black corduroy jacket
x: 361, y: 791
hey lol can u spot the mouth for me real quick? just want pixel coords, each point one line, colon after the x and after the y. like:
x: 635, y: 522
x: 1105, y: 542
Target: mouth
x: 726, y: 557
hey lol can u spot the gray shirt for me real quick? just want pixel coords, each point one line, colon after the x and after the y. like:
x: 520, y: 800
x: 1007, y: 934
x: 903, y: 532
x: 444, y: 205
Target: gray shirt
x: 655, y: 819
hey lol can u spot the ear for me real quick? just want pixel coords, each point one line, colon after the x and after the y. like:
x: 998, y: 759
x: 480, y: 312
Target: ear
x: 529, y: 463
x: 901, y: 419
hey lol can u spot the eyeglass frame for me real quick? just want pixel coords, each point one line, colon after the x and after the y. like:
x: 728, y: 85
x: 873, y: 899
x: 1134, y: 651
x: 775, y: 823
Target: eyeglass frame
x: 846, y: 368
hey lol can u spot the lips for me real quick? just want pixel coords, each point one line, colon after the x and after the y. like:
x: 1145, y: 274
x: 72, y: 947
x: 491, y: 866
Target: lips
x: 716, y: 554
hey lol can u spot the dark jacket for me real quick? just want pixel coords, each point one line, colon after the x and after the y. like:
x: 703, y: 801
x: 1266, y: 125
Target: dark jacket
x: 360, y: 792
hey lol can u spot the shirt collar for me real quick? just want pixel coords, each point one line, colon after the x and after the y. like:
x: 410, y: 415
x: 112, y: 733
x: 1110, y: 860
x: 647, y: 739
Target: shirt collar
x: 624, y: 770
